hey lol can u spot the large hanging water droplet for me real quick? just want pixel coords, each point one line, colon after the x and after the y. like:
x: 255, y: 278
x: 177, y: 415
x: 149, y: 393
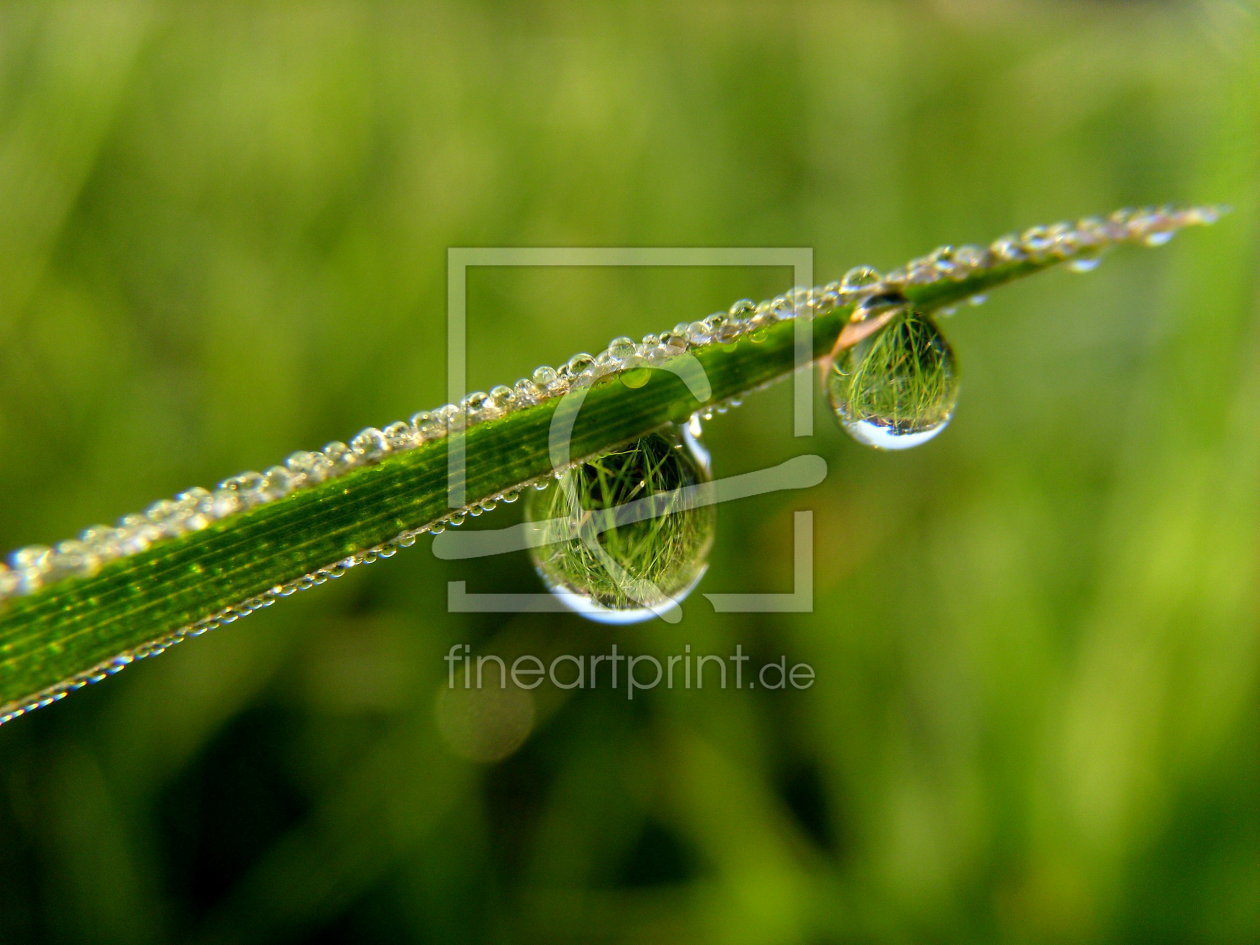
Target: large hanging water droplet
x: 897, y: 387
x: 625, y: 537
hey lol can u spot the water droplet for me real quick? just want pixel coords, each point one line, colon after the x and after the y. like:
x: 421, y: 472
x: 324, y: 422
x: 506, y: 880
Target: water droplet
x: 309, y: 468
x: 195, y: 506
x: 428, y: 426
x: 107, y: 542
x: 502, y: 397
x: 922, y: 272
x: 339, y: 456
x: 827, y: 299
x: 1091, y: 232
x: 1007, y: 249
x: 723, y: 327
x: 248, y: 488
x: 698, y: 333
x: 625, y: 537
x: 163, y: 512
x: 944, y: 259
x: 897, y: 387
x: 606, y: 363
x: 1086, y: 263
x: 859, y: 278
x: 277, y: 482
x: 673, y: 343
x: 399, y: 436
x: 76, y: 557
x: 578, y: 364
x: 1117, y: 223
x: 1205, y: 215
x: 622, y: 349
x: 801, y: 299
x: 32, y: 557
x: 454, y: 416
x: 759, y: 326
x: 370, y: 444
x: 1037, y: 242
x: 635, y: 377
x: 526, y: 392
x: 967, y: 259
x: 477, y: 406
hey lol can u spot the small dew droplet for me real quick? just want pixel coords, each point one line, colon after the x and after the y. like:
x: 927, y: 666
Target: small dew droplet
x: 502, y: 397
x: 625, y: 537
x: 1084, y: 263
x: 622, y: 349
x: 859, y: 278
x: 399, y: 436
x: 897, y: 387
x: 673, y: 343
x: 370, y: 443
x: 577, y: 366
x: 1037, y: 242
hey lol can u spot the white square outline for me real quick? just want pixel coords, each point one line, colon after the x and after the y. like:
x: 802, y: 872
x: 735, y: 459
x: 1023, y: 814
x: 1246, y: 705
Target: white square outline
x: 460, y: 258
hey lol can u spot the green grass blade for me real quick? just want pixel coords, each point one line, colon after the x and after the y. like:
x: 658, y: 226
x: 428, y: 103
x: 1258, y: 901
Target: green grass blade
x: 74, y: 614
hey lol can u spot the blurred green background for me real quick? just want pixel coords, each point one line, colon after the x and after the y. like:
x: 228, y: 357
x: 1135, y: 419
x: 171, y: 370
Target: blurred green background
x: 223, y: 237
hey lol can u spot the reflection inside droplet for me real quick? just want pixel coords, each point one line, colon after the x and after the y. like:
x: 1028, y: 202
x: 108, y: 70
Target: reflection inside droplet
x: 625, y: 537
x: 897, y: 387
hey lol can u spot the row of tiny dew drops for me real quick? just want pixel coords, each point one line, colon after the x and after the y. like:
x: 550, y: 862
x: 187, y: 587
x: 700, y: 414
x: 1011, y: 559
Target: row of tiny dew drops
x: 34, y: 567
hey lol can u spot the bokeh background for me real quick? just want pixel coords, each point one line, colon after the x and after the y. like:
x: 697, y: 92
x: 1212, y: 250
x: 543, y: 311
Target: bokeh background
x: 223, y: 237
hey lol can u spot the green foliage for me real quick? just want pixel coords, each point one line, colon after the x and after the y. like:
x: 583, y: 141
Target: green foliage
x: 224, y: 232
x: 178, y: 572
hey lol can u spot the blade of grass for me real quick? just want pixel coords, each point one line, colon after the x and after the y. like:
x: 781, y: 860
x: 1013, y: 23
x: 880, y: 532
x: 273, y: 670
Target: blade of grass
x: 66, y: 628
